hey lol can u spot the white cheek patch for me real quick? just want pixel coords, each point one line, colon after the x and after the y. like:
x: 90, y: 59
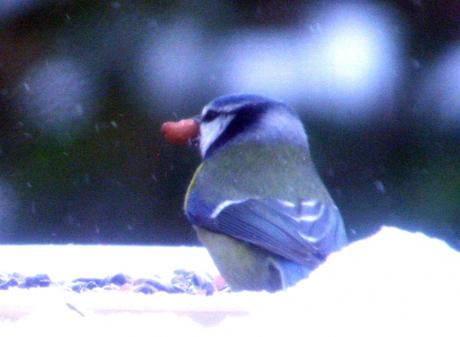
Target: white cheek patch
x: 210, y: 131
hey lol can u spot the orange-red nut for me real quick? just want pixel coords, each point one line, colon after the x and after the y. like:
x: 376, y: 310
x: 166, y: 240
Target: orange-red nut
x: 181, y: 132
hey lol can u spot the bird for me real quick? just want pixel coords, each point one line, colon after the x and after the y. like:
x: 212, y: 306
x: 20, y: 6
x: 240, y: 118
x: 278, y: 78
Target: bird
x: 256, y: 201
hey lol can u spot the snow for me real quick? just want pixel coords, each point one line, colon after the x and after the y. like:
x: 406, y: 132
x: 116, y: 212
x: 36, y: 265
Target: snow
x: 394, y: 283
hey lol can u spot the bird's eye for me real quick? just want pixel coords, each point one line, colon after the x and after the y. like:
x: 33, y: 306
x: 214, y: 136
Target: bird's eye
x: 210, y: 116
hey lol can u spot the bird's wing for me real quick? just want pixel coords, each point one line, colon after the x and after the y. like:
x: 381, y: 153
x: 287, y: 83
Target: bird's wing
x: 304, y: 232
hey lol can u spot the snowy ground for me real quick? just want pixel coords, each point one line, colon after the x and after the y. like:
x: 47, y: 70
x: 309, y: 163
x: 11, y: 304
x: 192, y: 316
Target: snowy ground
x: 395, y: 283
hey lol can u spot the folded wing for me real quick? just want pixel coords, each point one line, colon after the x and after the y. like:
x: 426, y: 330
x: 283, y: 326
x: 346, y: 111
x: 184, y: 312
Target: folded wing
x: 305, y: 231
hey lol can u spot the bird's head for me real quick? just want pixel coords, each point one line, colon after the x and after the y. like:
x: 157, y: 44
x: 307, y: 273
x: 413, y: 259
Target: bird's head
x: 239, y: 118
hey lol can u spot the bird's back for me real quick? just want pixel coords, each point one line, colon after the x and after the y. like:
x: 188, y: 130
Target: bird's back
x: 278, y: 171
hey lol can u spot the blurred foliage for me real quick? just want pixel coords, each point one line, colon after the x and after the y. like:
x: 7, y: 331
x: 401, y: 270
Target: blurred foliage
x: 114, y: 180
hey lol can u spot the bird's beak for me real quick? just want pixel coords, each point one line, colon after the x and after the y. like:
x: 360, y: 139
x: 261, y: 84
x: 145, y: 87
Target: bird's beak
x: 183, y: 132
x: 196, y: 140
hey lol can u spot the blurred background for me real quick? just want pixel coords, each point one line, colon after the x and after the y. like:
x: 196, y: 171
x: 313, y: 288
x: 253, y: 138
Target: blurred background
x: 85, y: 86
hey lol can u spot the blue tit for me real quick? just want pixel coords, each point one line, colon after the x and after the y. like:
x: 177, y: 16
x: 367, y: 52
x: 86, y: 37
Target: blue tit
x: 256, y: 201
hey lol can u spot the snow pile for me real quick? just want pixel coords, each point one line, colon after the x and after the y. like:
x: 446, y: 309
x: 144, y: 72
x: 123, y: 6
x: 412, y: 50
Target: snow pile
x: 394, y: 283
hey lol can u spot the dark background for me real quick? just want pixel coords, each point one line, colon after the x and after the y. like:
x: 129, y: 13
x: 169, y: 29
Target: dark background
x: 85, y: 86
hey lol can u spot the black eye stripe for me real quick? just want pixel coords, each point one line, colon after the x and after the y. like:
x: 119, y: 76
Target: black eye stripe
x: 210, y: 116
x: 245, y: 118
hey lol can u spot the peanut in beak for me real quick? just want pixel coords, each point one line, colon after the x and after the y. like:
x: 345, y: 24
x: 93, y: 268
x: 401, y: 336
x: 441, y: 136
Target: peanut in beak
x: 182, y: 132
